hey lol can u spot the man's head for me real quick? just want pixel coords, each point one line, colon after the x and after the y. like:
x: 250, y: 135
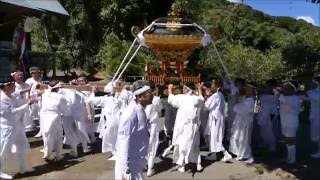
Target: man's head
x: 17, y: 76
x: 249, y: 90
x: 216, y: 85
x: 54, y: 86
x: 187, y: 87
x: 142, y: 92
x: 35, y: 73
x: 289, y: 88
x: 7, y: 86
x: 82, y: 80
x: 239, y: 82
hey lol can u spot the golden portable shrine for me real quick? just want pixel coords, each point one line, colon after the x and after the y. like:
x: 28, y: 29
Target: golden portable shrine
x: 173, y: 41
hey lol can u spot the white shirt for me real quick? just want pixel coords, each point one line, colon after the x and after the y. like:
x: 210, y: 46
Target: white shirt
x: 133, y: 136
x: 9, y: 110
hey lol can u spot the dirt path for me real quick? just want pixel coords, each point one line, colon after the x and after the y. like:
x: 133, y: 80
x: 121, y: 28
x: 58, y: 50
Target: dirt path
x: 96, y: 165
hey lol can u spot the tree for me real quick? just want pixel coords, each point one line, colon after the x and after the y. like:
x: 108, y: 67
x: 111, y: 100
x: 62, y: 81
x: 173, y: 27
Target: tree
x: 114, y: 50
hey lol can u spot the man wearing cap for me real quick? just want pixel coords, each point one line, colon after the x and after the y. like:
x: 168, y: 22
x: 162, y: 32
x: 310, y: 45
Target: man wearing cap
x: 186, y: 135
x: 11, y: 131
x: 108, y: 125
x: 133, y: 136
x: 54, y: 105
x: 33, y: 81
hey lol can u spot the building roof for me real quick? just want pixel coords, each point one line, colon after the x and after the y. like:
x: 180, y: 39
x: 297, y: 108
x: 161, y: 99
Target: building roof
x: 32, y: 7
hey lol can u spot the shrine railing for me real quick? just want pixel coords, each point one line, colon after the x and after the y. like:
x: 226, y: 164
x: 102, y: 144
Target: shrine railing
x: 161, y: 79
x: 155, y: 79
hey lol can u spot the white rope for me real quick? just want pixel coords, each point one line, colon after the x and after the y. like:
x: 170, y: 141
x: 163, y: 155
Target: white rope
x: 134, y: 54
x: 220, y: 60
x: 215, y: 47
x: 148, y: 27
x: 114, y: 76
x: 135, y: 40
x: 195, y: 24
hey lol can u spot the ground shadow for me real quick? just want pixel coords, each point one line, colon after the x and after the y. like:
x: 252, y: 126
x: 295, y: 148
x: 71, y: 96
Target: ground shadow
x: 49, y: 167
x: 164, y: 165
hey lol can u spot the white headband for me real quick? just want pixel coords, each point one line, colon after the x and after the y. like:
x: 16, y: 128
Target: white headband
x: 7, y: 83
x: 16, y: 73
x: 187, y: 87
x: 141, y: 90
x: 59, y: 85
x: 292, y: 85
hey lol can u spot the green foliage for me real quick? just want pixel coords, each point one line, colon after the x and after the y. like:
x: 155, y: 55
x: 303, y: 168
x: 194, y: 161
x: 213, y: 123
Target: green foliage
x: 39, y: 42
x: 64, y: 58
x: 114, y: 50
x: 257, y: 46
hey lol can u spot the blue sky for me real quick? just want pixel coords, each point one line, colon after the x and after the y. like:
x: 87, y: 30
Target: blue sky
x: 293, y: 8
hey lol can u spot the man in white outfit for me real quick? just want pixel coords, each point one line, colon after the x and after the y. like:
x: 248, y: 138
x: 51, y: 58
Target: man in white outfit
x: 153, y: 115
x: 269, y: 109
x: 233, y: 89
x: 216, y: 122
x: 108, y: 125
x: 289, y: 116
x: 33, y: 81
x: 11, y: 127
x: 313, y: 95
x: 241, y: 131
x: 72, y: 133
x: 88, y: 119
x: 133, y: 136
x: 22, y: 92
x: 186, y: 135
x: 54, y: 106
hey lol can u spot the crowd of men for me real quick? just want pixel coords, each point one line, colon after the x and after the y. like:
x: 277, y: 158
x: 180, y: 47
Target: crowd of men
x: 130, y: 121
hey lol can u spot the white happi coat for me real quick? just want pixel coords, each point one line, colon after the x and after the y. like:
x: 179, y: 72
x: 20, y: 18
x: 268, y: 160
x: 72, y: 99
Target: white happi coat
x: 153, y: 115
x: 215, y: 126
x: 72, y: 134
x: 231, y: 103
x: 289, y: 114
x: 125, y: 97
x: 169, y: 116
x: 35, y: 108
x: 132, y: 142
x: 22, y: 99
x: 89, y: 125
x: 314, y: 97
x: 186, y: 136
x: 269, y: 106
x: 110, y: 113
x: 54, y: 106
x: 240, y: 140
x: 11, y: 129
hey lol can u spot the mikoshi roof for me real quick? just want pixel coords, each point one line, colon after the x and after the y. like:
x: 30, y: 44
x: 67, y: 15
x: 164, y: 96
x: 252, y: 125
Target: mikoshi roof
x: 33, y: 7
x: 173, y: 33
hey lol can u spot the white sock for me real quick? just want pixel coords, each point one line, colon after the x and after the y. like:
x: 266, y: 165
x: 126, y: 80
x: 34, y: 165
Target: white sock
x: 150, y: 162
x: 180, y: 160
